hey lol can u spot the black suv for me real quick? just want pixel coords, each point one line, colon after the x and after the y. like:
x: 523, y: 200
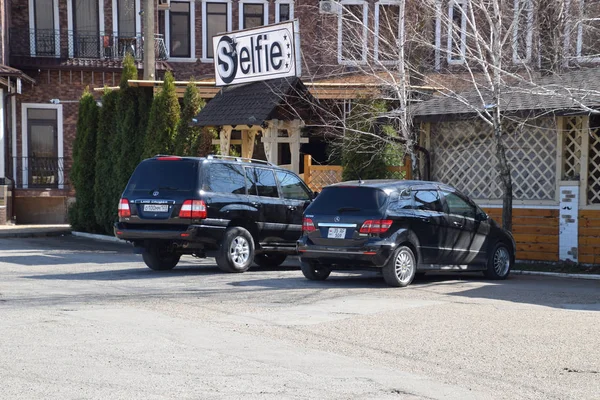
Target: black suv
x: 239, y: 210
x: 401, y: 228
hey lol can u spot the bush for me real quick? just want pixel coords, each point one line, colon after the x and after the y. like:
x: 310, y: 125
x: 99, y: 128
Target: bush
x: 83, y: 173
x: 186, y: 142
x: 163, y: 120
x: 106, y: 189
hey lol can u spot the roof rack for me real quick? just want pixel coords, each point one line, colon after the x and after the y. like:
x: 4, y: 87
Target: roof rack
x: 239, y: 159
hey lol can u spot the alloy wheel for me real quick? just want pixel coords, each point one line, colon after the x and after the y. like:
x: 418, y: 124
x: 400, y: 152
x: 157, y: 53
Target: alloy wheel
x: 404, y: 266
x: 239, y: 250
x: 501, y: 261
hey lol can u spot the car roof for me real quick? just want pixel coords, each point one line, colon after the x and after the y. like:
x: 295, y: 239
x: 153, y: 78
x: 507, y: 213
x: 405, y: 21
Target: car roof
x: 225, y: 160
x: 384, y: 184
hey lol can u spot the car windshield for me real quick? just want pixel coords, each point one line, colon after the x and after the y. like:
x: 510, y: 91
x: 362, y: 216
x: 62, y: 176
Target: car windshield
x: 163, y: 175
x: 349, y: 199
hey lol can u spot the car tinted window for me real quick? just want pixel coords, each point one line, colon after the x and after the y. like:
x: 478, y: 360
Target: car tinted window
x: 291, y: 186
x: 265, y: 183
x: 458, y: 206
x: 164, y: 175
x: 402, y: 200
x: 349, y: 198
x: 227, y: 178
x: 251, y: 181
x: 428, y: 200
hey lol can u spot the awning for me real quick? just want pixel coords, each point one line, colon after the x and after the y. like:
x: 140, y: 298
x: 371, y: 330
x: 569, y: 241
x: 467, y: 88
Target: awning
x: 254, y: 103
x: 10, y: 72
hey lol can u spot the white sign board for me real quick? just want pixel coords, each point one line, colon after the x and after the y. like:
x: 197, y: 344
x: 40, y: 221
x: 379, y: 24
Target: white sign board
x: 255, y: 54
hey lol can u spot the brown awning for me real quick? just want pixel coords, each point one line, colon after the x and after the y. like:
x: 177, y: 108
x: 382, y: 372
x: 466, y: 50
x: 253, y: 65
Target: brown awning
x: 6, y: 71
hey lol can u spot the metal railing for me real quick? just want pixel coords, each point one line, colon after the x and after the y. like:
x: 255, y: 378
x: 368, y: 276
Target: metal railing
x: 39, y: 172
x: 70, y: 44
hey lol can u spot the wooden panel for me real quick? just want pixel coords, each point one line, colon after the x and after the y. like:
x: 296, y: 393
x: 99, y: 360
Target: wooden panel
x: 592, y: 214
x: 590, y: 240
x: 589, y: 258
x: 326, y: 168
x: 588, y: 231
x: 536, y: 230
x: 520, y: 238
x: 588, y: 249
x: 539, y: 247
x: 526, y: 212
x: 537, y: 256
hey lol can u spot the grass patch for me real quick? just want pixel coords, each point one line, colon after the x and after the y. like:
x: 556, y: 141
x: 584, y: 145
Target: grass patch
x: 566, y: 268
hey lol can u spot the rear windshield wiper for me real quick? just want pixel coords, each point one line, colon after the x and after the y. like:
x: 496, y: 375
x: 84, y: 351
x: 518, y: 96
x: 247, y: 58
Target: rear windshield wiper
x: 342, y: 209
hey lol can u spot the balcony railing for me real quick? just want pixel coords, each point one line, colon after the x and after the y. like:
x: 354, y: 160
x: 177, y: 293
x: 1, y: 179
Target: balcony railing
x: 70, y: 44
x: 39, y: 172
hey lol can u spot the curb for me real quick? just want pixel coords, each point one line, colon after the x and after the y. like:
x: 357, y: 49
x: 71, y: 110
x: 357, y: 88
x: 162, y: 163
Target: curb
x: 104, y: 238
x: 557, y: 274
x: 34, y: 234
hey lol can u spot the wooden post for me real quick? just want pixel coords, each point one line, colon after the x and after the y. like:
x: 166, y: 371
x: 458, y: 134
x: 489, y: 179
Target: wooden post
x: 307, y: 165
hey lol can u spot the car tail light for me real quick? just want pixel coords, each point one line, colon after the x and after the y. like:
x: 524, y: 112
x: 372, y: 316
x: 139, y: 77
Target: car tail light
x: 195, y: 209
x: 376, y: 226
x: 124, y: 210
x: 308, y: 225
x: 168, y: 158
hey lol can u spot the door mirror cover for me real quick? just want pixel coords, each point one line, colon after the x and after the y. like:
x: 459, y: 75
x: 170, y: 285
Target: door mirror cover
x: 481, y: 216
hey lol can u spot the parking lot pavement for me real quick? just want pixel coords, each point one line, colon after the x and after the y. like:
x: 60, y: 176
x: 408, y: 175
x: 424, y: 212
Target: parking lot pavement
x: 86, y: 319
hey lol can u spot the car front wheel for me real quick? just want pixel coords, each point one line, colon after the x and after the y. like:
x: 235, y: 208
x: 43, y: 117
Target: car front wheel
x: 314, y: 272
x: 499, y: 263
x: 159, y: 258
x: 401, y: 269
x: 236, y: 251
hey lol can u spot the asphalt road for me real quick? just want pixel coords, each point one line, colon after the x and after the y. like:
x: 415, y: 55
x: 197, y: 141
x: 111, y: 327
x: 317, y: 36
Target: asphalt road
x: 85, y: 319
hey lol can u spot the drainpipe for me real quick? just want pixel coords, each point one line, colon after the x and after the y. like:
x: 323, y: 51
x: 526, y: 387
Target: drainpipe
x: 6, y: 160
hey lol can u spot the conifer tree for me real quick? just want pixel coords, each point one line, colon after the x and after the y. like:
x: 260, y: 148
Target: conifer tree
x: 163, y: 120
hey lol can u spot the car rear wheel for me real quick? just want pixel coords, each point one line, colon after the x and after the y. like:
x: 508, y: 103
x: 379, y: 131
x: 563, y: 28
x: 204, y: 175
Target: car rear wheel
x: 269, y: 260
x: 499, y: 263
x: 314, y: 272
x: 236, y: 251
x: 400, y: 270
x: 159, y: 258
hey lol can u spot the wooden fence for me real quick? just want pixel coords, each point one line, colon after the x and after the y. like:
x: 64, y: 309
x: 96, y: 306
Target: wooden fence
x: 319, y: 176
x: 589, y: 236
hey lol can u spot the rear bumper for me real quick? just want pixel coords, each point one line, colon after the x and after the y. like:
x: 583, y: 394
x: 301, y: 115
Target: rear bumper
x: 372, y: 254
x: 208, y: 234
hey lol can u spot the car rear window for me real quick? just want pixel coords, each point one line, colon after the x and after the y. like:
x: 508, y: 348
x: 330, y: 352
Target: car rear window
x: 349, y: 198
x: 166, y: 175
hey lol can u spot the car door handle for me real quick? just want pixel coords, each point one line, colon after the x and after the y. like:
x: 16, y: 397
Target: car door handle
x: 424, y: 219
x: 292, y: 208
x: 458, y: 224
x: 256, y: 204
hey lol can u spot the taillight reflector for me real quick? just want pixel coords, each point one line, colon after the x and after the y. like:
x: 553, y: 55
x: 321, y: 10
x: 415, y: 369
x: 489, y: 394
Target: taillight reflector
x: 124, y: 210
x: 308, y: 225
x: 195, y: 209
x: 376, y: 226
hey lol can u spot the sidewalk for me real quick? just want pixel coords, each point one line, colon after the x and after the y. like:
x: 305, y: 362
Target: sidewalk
x: 23, y: 231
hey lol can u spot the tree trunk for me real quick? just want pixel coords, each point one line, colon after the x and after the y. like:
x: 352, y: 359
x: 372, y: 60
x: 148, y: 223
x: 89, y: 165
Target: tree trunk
x: 505, y: 179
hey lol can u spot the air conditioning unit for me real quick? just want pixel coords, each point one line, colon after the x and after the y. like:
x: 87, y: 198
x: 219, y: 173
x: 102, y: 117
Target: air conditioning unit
x: 329, y: 7
x: 164, y: 4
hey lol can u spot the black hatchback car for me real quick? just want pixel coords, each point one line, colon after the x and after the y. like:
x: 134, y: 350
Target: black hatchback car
x: 401, y: 228
x: 238, y: 210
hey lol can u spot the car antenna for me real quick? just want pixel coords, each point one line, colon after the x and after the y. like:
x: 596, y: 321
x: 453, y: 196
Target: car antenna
x: 357, y: 172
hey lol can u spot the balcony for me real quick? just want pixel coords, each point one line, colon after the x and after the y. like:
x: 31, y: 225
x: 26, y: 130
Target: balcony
x: 61, y: 45
x: 39, y: 173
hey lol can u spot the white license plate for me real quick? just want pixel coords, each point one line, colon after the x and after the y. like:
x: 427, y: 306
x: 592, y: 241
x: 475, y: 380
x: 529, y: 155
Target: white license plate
x: 336, y: 233
x: 156, y: 207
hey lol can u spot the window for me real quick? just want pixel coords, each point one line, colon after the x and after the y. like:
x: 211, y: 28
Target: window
x: 352, y: 32
x: 349, y: 199
x: 253, y: 15
x: 180, y: 30
x: 42, y: 149
x: 284, y: 11
x: 457, y: 31
x: 126, y: 11
x: 292, y: 187
x: 164, y: 176
x: 428, y: 200
x: 86, y: 29
x: 216, y: 19
x: 458, y: 206
x: 402, y: 201
x: 227, y: 178
x: 387, y: 31
x: 46, y: 36
x: 265, y: 183
x: 522, y: 31
x: 588, y: 30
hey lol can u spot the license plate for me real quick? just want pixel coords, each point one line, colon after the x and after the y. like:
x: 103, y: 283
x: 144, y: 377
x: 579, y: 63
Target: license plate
x: 336, y: 233
x: 156, y: 207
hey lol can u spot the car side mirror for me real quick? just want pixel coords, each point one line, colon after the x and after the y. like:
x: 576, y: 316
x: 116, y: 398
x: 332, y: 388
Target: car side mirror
x: 315, y: 194
x: 481, y: 216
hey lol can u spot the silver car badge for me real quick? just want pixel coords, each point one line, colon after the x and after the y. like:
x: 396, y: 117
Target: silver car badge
x: 155, y: 193
x: 337, y: 219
